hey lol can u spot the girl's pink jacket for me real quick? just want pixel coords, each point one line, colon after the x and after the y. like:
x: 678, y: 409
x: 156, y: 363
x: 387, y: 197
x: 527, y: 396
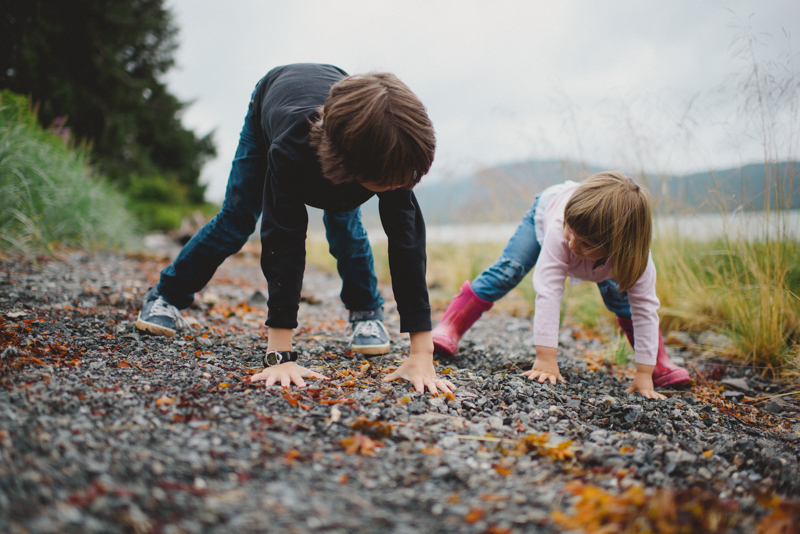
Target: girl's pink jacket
x: 557, y: 262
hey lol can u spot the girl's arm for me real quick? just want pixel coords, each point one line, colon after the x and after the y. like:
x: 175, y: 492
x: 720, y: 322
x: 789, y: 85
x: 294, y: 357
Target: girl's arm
x: 546, y: 366
x: 643, y: 382
x: 548, y: 283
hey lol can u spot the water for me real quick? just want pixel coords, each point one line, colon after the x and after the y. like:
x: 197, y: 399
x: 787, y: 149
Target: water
x: 701, y: 227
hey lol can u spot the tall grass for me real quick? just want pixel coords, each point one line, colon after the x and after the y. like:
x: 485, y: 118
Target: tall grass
x: 48, y: 193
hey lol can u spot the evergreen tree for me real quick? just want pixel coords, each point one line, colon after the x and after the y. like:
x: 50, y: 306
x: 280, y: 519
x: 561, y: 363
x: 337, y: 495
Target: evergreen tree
x: 100, y: 65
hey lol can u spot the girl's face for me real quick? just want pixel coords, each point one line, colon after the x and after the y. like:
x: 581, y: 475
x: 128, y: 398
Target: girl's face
x: 581, y: 248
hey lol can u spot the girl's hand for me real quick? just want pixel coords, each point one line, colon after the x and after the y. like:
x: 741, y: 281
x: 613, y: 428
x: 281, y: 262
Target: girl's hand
x: 643, y: 382
x: 545, y: 367
x: 286, y: 374
x: 418, y: 367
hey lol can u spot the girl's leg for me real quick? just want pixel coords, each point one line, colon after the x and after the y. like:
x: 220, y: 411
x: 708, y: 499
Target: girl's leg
x: 226, y: 233
x: 517, y: 259
x: 665, y: 373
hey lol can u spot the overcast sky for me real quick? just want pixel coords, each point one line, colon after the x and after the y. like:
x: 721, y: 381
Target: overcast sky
x: 623, y: 84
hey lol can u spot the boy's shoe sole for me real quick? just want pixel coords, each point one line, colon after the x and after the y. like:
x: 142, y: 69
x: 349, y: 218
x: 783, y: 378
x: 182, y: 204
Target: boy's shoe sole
x: 372, y: 350
x: 155, y: 329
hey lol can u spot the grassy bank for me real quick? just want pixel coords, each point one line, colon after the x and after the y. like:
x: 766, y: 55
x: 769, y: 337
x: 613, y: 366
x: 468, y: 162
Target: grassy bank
x: 48, y: 194
x: 745, y: 290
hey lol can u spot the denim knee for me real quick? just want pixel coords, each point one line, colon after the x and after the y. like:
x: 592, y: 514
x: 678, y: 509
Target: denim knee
x: 495, y: 282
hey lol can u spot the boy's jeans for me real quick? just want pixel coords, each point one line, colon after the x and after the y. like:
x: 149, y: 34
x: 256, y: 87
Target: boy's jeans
x: 518, y: 258
x: 227, y: 233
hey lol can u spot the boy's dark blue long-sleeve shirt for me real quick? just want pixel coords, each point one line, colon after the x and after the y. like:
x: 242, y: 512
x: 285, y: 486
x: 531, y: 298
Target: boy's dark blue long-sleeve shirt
x: 286, y: 102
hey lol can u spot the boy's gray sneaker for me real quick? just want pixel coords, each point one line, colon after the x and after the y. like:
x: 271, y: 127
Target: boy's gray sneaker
x: 368, y: 335
x: 158, y: 316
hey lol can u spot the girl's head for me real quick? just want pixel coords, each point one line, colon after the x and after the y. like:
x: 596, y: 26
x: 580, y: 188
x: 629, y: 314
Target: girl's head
x: 611, y: 212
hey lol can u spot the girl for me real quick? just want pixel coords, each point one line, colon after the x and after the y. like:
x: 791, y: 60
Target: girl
x: 598, y: 231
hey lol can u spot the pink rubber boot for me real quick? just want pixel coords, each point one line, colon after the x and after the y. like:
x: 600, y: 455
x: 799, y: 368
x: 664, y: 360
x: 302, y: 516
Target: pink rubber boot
x: 462, y: 313
x: 666, y: 373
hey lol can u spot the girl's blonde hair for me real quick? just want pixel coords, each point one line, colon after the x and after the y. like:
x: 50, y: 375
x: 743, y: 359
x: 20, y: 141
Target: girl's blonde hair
x: 613, y: 211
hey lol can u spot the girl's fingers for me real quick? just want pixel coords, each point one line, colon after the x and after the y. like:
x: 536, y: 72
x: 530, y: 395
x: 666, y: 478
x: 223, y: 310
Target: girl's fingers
x: 419, y: 385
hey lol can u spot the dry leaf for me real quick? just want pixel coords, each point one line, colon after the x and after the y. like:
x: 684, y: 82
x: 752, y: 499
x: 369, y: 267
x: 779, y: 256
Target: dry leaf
x: 473, y: 516
x: 358, y: 443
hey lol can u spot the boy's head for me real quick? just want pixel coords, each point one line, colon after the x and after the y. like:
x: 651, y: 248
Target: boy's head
x: 612, y: 211
x: 373, y: 130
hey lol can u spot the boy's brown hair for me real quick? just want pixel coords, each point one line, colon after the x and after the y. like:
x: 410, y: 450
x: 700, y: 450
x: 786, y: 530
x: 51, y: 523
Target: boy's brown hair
x: 373, y: 129
x: 613, y: 211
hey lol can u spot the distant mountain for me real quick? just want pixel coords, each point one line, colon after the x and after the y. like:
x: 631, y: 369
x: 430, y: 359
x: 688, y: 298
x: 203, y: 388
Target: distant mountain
x: 503, y: 193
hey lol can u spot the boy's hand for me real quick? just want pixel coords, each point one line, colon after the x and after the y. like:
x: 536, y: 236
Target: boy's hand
x: 286, y: 374
x: 418, y: 367
x: 545, y: 367
x: 643, y: 382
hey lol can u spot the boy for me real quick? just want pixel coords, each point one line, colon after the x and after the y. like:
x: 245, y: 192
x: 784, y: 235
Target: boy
x: 315, y: 136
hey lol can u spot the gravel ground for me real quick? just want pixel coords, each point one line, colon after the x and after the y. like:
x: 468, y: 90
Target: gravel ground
x: 103, y: 429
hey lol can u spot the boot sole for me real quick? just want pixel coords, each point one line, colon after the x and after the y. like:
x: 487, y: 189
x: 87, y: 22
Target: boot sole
x: 372, y: 350
x: 156, y: 330
x: 673, y: 378
x: 444, y: 345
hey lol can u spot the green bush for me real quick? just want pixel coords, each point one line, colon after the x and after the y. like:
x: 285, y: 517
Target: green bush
x: 48, y: 193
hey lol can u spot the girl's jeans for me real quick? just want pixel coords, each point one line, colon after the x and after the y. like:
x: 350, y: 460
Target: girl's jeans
x: 518, y: 258
x: 227, y: 233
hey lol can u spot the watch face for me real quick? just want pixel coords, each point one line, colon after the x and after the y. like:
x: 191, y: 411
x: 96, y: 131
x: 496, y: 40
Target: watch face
x: 274, y: 358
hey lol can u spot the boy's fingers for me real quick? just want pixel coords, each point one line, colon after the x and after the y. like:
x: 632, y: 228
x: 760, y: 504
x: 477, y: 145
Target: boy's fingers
x: 297, y: 379
x: 286, y: 381
x: 271, y: 379
x: 389, y: 377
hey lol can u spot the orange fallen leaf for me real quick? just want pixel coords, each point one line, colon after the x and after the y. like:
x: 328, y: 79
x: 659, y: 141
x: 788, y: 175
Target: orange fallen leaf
x: 124, y: 363
x: 291, y: 456
x: 164, y: 401
x: 358, y: 443
x: 473, y: 516
x: 343, y: 479
x: 431, y: 450
x: 627, y: 448
x: 224, y: 385
x: 503, y: 469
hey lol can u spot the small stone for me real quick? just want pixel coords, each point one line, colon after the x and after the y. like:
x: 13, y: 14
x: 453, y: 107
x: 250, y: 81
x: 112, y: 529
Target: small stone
x: 738, y: 384
x: 733, y: 396
x: 257, y: 299
x: 772, y: 407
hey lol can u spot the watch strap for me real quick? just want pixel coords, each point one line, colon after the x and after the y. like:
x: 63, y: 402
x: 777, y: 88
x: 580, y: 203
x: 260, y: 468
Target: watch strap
x: 275, y: 357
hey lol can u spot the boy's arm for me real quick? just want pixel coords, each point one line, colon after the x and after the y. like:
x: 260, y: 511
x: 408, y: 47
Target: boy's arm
x: 418, y: 367
x: 546, y: 366
x: 285, y: 373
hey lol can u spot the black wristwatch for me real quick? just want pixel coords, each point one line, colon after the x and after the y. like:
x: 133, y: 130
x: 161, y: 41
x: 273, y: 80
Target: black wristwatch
x: 274, y: 357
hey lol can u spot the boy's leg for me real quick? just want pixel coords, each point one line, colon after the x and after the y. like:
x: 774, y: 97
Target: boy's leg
x: 223, y: 236
x: 665, y: 373
x: 517, y: 259
x: 349, y: 244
